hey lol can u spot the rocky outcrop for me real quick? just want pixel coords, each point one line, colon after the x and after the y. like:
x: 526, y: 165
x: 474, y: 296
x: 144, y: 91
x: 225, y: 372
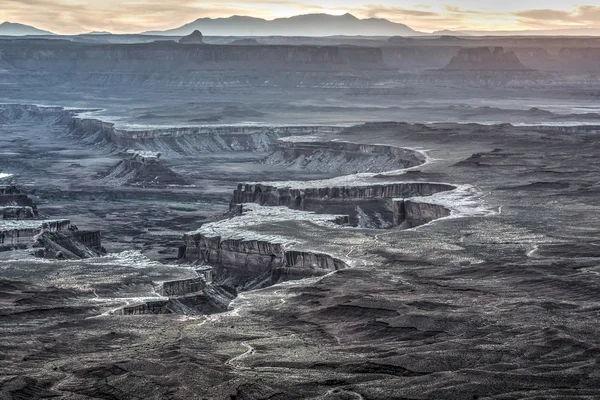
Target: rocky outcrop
x: 17, y: 212
x: 243, y: 259
x: 11, y: 113
x: 21, y: 234
x: 71, y: 244
x: 193, y: 38
x: 417, y: 213
x: 484, y: 59
x: 15, y: 204
x: 143, y: 168
x: 371, y: 206
x: 342, y: 157
x: 182, y: 287
x: 20, y: 229
x: 193, y: 296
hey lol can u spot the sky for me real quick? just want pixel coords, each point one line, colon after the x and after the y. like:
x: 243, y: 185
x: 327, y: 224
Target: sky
x: 133, y: 16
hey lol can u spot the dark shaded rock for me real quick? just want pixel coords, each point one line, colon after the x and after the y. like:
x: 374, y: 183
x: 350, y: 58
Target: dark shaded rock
x: 143, y: 168
x: 245, y: 42
x: 71, y: 244
x: 484, y: 59
x: 194, y: 38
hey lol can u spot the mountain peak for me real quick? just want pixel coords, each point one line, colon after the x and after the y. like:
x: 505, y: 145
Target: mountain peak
x: 8, y: 28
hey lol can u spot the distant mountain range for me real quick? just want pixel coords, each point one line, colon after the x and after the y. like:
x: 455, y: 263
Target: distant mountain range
x: 306, y: 25
x: 13, y: 29
x: 301, y: 25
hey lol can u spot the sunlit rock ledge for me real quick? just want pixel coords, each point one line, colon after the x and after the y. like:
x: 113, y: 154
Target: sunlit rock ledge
x: 249, y: 215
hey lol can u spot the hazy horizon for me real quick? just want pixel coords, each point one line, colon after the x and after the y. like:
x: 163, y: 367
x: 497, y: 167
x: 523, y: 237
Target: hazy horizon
x: 117, y: 16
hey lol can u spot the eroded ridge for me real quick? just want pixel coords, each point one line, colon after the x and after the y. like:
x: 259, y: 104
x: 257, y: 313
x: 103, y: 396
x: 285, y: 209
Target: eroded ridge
x: 86, y: 127
x: 319, y: 155
x: 21, y: 228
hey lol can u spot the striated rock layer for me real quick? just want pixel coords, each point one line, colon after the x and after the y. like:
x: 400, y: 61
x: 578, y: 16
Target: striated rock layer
x: 342, y: 157
x: 244, y: 259
x: 374, y: 206
x: 186, y: 140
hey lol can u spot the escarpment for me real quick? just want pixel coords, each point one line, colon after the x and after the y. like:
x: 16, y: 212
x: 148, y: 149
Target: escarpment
x: 371, y: 206
x: 341, y: 157
x: 20, y: 228
x: 167, y: 57
x: 245, y: 259
x: 11, y: 113
x: 187, y: 140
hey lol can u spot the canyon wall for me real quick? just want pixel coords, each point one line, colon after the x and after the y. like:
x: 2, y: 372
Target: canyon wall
x: 15, y: 233
x: 369, y: 206
x: 419, y: 213
x: 250, y: 264
x: 342, y: 157
x: 187, y: 140
x: 168, y: 56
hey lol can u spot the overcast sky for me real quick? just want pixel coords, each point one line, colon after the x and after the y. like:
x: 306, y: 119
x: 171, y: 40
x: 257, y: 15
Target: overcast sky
x: 131, y: 16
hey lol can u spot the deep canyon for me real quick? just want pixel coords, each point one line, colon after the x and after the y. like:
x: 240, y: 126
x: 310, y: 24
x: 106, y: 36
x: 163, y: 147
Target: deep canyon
x: 322, y: 218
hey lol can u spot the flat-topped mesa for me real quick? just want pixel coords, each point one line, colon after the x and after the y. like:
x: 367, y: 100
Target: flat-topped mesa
x: 484, y: 59
x: 244, y: 259
x: 142, y: 168
x: 369, y: 206
x: 315, y: 154
x: 187, y: 140
x: 11, y: 113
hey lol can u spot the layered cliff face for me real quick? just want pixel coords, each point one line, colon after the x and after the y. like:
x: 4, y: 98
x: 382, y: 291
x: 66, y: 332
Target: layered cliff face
x: 193, y: 297
x: 143, y: 169
x: 70, y: 244
x: 20, y: 228
x: 484, y: 59
x: 16, y: 205
x: 189, y: 140
x: 341, y: 157
x: 373, y: 206
x: 245, y: 259
x: 167, y: 57
x: 186, y: 140
x: 21, y: 234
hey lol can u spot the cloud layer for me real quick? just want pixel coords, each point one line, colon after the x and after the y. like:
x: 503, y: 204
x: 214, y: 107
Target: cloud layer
x: 131, y: 16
